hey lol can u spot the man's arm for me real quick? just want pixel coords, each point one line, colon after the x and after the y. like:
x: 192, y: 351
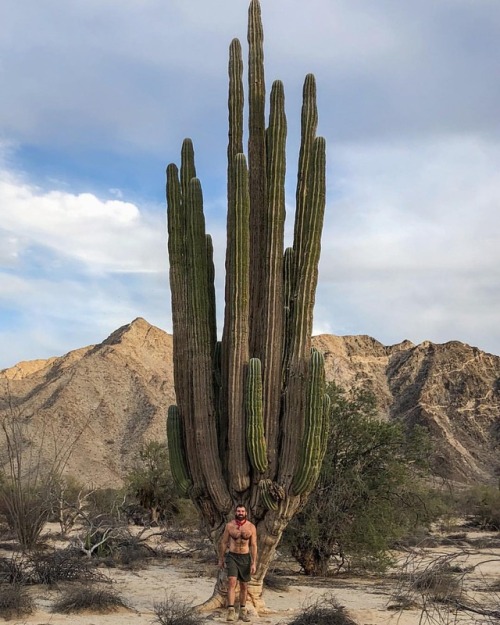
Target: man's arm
x: 253, y: 551
x: 223, y: 545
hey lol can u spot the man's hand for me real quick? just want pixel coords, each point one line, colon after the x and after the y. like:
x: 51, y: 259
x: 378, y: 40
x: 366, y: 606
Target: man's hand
x: 253, y: 568
x: 221, y: 563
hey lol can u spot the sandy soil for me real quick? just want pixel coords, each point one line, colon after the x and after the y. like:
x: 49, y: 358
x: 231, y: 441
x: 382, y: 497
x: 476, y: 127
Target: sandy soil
x: 368, y: 600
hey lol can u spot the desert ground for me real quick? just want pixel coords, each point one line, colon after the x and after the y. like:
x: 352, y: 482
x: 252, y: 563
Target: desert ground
x: 470, y: 558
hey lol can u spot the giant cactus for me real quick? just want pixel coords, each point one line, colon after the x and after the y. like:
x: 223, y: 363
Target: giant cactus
x: 251, y: 414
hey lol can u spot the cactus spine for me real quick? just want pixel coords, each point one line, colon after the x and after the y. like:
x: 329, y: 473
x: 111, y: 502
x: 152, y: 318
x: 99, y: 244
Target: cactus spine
x: 252, y: 406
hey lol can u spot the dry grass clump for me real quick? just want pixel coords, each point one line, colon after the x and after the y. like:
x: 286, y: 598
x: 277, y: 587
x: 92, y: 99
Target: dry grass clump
x: 15, y: 601
x: 175, y: 611
x: 324, y: 611
x: 65, y: 565
x: 13, y: 571
x: 85, y: 597
x: 440, y: 582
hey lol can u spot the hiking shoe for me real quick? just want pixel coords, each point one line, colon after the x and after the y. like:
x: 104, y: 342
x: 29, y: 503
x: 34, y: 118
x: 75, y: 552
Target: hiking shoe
x: 231, y: 614
x: 244, y: 616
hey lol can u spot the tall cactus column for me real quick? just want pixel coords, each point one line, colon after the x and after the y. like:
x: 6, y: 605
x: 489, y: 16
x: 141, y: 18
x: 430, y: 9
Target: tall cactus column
x: 251, y: 415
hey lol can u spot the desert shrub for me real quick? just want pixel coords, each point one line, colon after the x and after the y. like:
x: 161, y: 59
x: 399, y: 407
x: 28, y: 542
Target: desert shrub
x: 130, y: 551
x: 368, y: 493
x: 15, y: 601
x: 114, y: 545
x: 175, y: 611
x: 106, y: 503
x: 150, y: 483
x: 324, y: 611
x: 441, y: 582
x: 88, y: 597
x: 30, y: 476
x: 69, y: 500
x: 482, y: 505
x: 64, y: 565
x: 15, y: 570
x: 26, y: 510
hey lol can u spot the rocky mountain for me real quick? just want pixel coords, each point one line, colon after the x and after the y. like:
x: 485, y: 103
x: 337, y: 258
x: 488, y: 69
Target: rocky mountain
x: 95, y: 406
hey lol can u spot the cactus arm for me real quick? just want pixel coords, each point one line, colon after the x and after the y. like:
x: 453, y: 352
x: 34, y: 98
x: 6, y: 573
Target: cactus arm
x: 312, y: 442
x: 256, y: 442
x: 234, y: 147
x: 307, y: 266
x: 309, y: 123
x: 267, y: 500
x: 235, y: 110
x: 201, y: 350
x: 176, y: 222
x: 212, y: 309
x: 270, y: 338
x: 256, y: 167
x: 301, y: 319
x: 188, y: 169
x: 178, y: 464
x: 236, y: 354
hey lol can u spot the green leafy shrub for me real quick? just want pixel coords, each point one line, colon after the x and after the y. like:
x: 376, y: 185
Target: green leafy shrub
x: 150, y: 483
x: 368, y: 493
x: 482, y: 505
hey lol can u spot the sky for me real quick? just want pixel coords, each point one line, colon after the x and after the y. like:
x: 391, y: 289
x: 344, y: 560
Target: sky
x: 97, y: 96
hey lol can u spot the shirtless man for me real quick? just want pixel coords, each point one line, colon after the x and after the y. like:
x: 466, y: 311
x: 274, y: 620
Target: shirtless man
x: 240, y: 542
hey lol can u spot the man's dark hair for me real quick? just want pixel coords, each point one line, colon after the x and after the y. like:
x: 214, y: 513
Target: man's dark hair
x: 240, y: 505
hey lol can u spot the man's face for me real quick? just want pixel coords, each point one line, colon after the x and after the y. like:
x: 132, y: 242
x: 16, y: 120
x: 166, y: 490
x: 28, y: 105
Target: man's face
x: 241, y: 513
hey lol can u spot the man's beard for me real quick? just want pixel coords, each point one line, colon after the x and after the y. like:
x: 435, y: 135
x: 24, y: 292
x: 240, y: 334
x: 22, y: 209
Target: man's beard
x: 240, y: 516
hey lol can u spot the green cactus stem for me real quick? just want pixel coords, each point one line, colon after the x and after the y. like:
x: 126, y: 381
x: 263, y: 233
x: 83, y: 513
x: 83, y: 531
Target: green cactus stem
x: 312, y: 442
x: 256, y: 442
x: 178, y: 464
x: 267, y: 499
x: 235, y: 344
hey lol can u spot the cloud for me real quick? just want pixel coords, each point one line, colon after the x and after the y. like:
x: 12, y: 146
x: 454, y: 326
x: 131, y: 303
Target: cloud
x: 101, y: 235
x: 74, y: 268
x: 119, y: 74
x: 410, y: 248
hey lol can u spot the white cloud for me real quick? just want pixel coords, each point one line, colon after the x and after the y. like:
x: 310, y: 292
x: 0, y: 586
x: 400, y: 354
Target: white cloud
x: 103, y: 235
x: 410, y: 248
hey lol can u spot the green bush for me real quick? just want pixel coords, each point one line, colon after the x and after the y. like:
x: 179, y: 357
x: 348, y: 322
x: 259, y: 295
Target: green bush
x: 368, y: 494
x: 106, y: 503
x: 151, y: 483
x: 482, y: 505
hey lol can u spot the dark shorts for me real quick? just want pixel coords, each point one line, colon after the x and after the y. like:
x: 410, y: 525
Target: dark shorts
x: 238, y: 565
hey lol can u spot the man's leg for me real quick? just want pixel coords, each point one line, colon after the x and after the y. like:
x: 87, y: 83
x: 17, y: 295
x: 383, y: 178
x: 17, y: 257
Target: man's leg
x: 243, y: 599
x: 231, y: 585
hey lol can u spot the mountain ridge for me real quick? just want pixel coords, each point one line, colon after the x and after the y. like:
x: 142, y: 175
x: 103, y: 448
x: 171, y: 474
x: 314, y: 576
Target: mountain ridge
x: 105, y: 400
